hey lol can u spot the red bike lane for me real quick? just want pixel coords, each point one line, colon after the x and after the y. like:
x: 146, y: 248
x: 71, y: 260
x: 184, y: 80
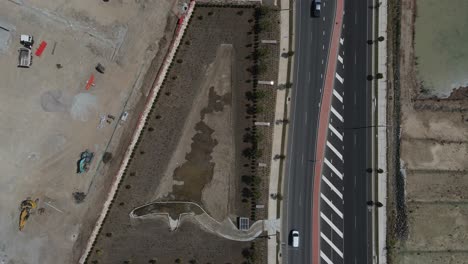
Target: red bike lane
x: 323, y: 127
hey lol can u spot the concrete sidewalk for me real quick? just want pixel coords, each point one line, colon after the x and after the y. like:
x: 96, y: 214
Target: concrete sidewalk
x: 273, y: 255
x: 381, y: 137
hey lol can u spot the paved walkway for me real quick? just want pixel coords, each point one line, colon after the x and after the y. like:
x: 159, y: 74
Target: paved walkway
x: 381, y: 188
x: 275, y: 170
x: 226, y: 228
x: 323, y: 127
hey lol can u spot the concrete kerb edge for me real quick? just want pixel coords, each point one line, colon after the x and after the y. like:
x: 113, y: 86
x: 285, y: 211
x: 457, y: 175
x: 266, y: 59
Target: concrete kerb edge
x: 282, y: 136
x: 140, y: 125
x: 382, y: 133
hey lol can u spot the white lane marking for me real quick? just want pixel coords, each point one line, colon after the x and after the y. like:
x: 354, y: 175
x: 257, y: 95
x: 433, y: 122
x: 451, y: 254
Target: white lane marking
x: 340, y: 59
x: 339, y: 78
x: 355, y: 58
x: 341, y: 41
x: 338, y: 212
x: 323, y: 47
x: 334, y: 150
x: 322, y: 61
x: 333, y: 129
x: 329, y: 242
x: 324, y: 4
x: 337, y: 95
x: 330, y: 223
x: 323, y: 33
x: 321, y: 76
x: 335, y: 170
x: 323, y: 18
x: 337, y: 114
x: 325, y: 179
x: 324, y: 257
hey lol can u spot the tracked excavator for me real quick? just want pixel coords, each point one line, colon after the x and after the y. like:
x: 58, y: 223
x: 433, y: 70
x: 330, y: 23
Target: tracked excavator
x: 26, y: 207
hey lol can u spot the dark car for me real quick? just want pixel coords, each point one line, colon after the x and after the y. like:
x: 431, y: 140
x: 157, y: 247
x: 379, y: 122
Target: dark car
x: 316, y: 6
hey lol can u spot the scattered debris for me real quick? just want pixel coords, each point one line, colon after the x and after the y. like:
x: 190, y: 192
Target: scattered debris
x: 106, y: 157
x: 79, y: 197
x: 53, y: 49
x: 85, y: 160
x: 124, y: 116
x: 100, y: 68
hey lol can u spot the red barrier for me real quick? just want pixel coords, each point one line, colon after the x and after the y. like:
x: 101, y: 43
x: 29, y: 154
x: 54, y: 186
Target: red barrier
x: 90, y: 82
x: 41, y: 48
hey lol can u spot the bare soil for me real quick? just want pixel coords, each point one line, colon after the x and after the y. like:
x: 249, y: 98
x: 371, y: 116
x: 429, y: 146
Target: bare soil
x: 142, y: 240
x: 428, y: 172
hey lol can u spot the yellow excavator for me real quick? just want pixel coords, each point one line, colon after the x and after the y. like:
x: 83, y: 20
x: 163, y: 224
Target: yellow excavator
x: 26, y: 207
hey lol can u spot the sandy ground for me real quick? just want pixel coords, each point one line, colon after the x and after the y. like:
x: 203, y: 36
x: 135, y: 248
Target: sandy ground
x: 49, y: 117
x: 211, y: 107
x: 186, y: 150
x: 434, y: 151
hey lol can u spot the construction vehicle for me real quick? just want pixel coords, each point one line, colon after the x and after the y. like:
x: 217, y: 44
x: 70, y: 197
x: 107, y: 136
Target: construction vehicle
x: 85, y: 160
x: 25, y: 58
x: 26, y: 207
x: 27, y: 41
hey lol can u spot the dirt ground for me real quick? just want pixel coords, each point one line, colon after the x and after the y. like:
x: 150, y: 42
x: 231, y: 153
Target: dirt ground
x: 434, y: 154
x: 49, y: 118
x: 187, y: 151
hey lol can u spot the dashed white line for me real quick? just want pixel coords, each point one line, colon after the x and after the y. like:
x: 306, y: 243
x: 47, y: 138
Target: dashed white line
x: 335, y: 132
x: 324, y: 257
x: 332, y: 186
x: 333, y: 207
x: 323, y: 33
x: 330, y: 223
x: 335, y: 170
x: 334, y: 150
x: 341, y: 41
x: 336, y: 114
x: 340, y: 59
x: 339, y: 78
x: 337, y: 95
x: 329, y: 242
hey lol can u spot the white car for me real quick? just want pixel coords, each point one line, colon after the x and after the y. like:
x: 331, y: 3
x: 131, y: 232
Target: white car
x: 295, y: 238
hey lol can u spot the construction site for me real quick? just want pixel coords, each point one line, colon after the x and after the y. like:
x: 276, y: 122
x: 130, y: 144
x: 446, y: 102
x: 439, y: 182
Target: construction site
x: 74, y: 76
x: 428, y: 152
x: 183, y: 192
x: 77, y: 82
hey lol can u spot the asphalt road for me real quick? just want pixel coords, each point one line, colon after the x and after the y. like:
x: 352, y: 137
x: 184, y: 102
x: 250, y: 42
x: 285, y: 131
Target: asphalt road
x: 346, y: 222
x: 357, y: 131
x: 311, y: 54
